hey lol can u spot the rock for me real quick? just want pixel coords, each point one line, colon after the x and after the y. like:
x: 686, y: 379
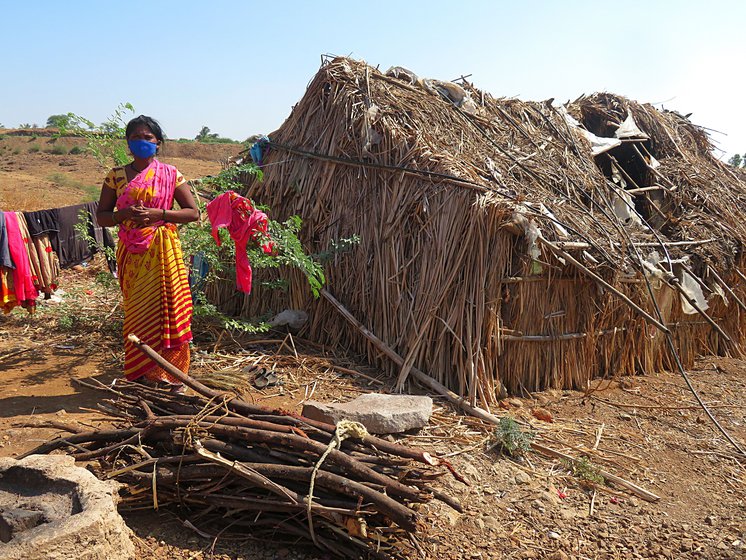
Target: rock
x: 380, y: 414
x: 491, y: 522
x: 453, y: 517
x: 550, y: 498
x: 567, y: 514
x: 522, y: 477
x: 293, y: 318
x: 16, y: 520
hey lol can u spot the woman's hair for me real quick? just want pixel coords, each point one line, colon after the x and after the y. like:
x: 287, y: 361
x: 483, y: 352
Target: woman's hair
x: 150, y: 122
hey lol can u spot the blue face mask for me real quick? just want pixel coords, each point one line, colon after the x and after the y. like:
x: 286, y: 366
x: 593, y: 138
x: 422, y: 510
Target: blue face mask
x: 142, y: 148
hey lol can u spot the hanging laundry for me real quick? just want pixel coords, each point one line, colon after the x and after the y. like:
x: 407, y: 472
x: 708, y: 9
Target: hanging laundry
x: 199, y: 267
x: 74, y: 247
x: 24, y: 292
x: 244, y: 223
x: 45, y: 222
x: 102, y: 236
x: 259, y: 150
x: 5, y: 260
x: 45, y: 266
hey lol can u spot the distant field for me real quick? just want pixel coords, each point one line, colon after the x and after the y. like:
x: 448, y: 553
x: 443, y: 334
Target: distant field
x: 38, y: 171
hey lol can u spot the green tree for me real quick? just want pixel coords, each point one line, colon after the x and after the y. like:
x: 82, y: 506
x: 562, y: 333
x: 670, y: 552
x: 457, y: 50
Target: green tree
x: 58, y: 121
x: 736, y: 160
x: 205, y: 135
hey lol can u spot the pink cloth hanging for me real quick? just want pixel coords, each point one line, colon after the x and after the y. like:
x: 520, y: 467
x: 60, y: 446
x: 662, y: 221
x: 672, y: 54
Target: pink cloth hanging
x: 23, y: 284
x: 244, y: 223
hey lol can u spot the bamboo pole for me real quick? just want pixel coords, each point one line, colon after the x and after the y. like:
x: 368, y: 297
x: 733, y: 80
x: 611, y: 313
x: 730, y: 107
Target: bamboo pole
x: 728, y: 288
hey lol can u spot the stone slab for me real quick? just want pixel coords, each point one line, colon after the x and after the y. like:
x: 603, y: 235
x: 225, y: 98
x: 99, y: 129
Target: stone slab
x: 379, y: 413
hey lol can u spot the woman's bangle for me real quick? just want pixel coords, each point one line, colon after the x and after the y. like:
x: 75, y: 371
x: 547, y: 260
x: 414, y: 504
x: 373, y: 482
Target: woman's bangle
x: 114, y: 217
x: 164, y: 215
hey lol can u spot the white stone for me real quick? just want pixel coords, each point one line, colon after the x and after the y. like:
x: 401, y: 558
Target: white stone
x: 380, y: 414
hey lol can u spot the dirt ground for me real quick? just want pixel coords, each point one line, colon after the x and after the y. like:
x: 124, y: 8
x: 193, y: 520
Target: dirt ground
x: 646, y: 429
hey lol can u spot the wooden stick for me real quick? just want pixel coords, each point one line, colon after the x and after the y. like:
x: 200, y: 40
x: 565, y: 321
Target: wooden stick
x: 553, y: 337
x: 461, y: 403
x: 636, y: 490
x: 568, y: 257
x: 357, y: 373
x: 584, y: 245
x: 82, y: 437
x: 720, y: 281
x: 677, y: 286
x: 16, y: 353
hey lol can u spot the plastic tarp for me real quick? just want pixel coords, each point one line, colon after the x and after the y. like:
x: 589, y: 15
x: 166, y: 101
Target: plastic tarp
x: 624, y: 207
x: 629, y: 129
x: 599, y: 145
x: 691, y: 288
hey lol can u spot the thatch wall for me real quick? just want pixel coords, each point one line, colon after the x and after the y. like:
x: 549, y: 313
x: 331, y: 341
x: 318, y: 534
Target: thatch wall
x: 444, y: 202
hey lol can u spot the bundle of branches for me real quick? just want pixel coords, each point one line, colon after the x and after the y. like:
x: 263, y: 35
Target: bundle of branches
x: 228, y: 465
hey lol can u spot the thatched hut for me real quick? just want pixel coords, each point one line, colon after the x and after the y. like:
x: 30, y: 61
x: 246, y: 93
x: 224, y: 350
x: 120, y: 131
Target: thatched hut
x: 499, y: 238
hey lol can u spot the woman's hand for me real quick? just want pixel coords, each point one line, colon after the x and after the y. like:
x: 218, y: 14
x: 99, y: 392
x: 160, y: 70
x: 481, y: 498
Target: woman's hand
x: 140, y: 215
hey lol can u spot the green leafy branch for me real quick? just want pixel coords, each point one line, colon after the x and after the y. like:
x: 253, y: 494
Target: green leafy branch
x: 82, y: 227
x: 105, y: 142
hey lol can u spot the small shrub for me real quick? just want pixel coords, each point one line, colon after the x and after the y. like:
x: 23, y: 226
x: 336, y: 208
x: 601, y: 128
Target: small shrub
x: 33, y: 148
x: 106, y: 280
x: 584, y: 469
x: 75, y: 150
x: 511, y: 438
x: 69, y: 319
x: 59, y: 150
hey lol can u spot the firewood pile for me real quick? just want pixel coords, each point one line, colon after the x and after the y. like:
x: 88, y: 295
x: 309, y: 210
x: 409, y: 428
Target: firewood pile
x: 227, y: 466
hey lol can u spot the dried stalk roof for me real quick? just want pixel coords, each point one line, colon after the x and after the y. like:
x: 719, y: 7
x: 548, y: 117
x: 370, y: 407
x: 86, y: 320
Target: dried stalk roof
x: 512, y: 151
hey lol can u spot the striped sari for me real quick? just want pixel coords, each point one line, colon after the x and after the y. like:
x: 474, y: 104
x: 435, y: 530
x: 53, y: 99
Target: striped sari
x: 152, y: 275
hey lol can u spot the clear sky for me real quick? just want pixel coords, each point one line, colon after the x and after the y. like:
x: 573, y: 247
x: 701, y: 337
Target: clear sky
x: 238, y: 67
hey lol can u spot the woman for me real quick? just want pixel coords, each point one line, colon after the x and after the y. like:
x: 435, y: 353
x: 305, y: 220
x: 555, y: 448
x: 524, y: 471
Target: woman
x: 157, y: 303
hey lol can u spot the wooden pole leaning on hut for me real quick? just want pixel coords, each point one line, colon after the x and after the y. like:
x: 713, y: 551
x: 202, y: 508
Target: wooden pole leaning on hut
x: 585, y: 270
x: 460, y: 402
x: 728, y: 289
